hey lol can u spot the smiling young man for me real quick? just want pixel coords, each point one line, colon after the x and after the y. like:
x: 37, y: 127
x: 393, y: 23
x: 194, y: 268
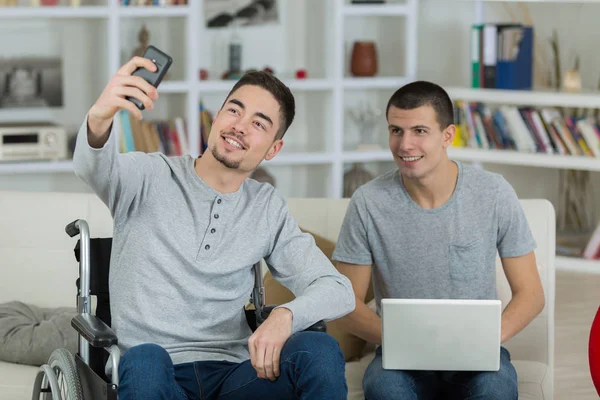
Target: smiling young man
x: 431, y: 229
x: 186, y: 235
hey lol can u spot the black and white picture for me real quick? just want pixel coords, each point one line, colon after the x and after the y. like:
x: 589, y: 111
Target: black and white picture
x: 224, y: 13
x: 31, y: 82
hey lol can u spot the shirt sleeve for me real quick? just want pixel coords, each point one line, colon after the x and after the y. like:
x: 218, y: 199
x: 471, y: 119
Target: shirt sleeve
x: 514, y: 234
x: 353, y: 245
x: 295, y: 261
x: 118, y: 179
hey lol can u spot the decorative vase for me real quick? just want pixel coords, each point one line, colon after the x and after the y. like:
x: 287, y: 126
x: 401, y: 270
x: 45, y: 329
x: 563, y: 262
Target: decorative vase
x: 364, y: 59
x: 354, y: 178
x: 594, y: 351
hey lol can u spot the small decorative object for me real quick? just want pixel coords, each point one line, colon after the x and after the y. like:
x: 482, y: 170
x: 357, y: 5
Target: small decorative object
x: 261, y: 175
x: 143, y: 38
x: 269, y: 70
x: 556, y: 57
x: 572, y: 81
x: 364, y: 59
x: 75, y: 3
x: 576, y: 204
x: 34, y: 3
x: 235, y: 51
x: 231, y: 75
x: 365, y: 117
x: 203, y: 74
x: 301, y: 74
x: 49, y: 2
x: 356, y: 177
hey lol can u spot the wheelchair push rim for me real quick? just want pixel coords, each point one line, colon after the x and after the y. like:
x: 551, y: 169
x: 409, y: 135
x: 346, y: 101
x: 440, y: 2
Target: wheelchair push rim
x: 58, y: 379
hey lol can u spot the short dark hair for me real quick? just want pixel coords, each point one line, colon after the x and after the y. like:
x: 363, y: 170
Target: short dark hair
x: 423, y: 93
x: 278, y: 89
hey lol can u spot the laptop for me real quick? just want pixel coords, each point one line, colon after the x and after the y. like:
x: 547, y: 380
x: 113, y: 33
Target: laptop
x: 441, y: 334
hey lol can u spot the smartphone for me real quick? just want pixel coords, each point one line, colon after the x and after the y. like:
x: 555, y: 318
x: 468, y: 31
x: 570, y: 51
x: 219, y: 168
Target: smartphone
x: 162, y: 61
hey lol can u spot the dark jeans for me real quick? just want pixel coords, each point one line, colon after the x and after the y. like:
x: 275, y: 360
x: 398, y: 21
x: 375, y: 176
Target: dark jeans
x: 312, y: 367
x: 379, y: 383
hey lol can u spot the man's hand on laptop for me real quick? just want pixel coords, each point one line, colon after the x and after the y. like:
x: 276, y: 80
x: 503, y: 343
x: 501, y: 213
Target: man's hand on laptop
x: 267, y: 341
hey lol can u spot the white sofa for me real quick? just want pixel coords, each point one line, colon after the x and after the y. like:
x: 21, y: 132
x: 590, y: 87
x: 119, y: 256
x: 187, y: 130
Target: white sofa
x: 37, y: 266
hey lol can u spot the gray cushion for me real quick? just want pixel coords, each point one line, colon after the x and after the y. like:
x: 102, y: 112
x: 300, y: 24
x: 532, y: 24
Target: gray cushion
x: 29, y: 334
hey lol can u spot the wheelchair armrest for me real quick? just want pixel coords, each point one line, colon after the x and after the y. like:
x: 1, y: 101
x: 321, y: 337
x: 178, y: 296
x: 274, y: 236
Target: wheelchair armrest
x: 319, y: 326
x: 94, y: 330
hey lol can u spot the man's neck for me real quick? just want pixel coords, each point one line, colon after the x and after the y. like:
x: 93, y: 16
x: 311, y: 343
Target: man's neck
x: 435, y: 189
x: 224, y: 180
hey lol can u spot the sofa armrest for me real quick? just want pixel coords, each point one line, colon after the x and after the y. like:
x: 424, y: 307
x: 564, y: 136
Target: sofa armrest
x: 94, y: 330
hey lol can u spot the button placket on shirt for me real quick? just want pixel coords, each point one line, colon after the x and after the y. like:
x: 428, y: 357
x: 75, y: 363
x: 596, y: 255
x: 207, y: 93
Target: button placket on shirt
x: 214, y: 221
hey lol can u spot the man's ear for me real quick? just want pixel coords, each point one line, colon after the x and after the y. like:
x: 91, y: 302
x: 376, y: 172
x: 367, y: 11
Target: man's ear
x: 449, y: 133
x: 274, y: 149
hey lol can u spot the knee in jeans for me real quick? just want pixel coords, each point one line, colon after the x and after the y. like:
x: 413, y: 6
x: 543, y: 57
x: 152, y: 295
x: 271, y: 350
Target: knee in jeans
x: 386, y: 384
x: 319, y: 343
x: 496, y: 386
x: 145, y: 355
x: 322, y: 348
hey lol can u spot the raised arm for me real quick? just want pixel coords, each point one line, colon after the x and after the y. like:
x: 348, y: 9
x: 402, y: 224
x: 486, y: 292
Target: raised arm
x: 116, y: 178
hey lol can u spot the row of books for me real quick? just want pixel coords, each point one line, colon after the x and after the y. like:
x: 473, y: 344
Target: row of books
x: 526, y: 129
x: 153, y: 2
x: 501, y: 56
x: 168, y: 137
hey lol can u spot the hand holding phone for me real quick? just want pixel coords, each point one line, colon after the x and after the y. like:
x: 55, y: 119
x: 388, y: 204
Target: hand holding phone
x: 162, y: 61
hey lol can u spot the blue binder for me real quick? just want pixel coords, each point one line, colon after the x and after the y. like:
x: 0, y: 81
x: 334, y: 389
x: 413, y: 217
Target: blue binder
x: 517, y: 74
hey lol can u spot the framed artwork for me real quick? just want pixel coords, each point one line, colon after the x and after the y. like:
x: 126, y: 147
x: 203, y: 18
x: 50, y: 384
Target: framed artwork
x: 225, y: 13
x: 31, y: 83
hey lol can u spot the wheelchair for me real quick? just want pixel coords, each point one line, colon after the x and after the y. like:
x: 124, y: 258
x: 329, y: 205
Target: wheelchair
x: 82, y: 376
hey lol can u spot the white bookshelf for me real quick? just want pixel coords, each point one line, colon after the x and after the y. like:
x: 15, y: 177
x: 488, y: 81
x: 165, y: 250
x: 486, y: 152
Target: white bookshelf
x: 574, y: 264
x: 38, y: 167
x: 378, y: 10
x: 540, y: 98
x: 336, y: 85
x: 54, y: 12
x: 333, y: 85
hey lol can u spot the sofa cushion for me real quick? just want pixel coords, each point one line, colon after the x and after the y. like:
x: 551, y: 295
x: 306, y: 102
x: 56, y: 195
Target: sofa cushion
x: 29, y: 334
x: 352, y: 346
x: 16, y: 381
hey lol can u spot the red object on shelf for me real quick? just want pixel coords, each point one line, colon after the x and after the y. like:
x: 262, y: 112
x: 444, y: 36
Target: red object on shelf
x: 301, y: 74
x: 203, y: 74
x: 49, y: 2
x: 594, y: 351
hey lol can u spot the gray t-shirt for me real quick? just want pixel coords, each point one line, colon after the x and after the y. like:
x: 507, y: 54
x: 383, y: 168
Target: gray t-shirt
x: 182, y: 254
x: 446, y: 252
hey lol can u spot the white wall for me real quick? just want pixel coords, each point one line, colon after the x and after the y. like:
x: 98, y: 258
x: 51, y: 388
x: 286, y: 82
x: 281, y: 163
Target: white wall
x: 296, y: 41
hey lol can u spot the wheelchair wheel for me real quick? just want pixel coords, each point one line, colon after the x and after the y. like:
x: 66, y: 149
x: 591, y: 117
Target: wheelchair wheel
x: 58, y: 379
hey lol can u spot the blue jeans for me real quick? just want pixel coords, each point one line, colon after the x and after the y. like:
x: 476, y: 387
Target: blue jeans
x: 379, y: 383
x: 312, y: 367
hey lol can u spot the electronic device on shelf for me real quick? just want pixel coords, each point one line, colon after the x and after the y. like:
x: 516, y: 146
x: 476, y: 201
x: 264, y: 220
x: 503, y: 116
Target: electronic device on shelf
x: 32, y: 141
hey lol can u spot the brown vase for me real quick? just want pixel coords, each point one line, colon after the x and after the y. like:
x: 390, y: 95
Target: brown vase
x: 364, y: 59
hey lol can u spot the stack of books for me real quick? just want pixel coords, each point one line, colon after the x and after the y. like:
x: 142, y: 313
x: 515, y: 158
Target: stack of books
x: 526, y: 129
x: 502, y: 56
